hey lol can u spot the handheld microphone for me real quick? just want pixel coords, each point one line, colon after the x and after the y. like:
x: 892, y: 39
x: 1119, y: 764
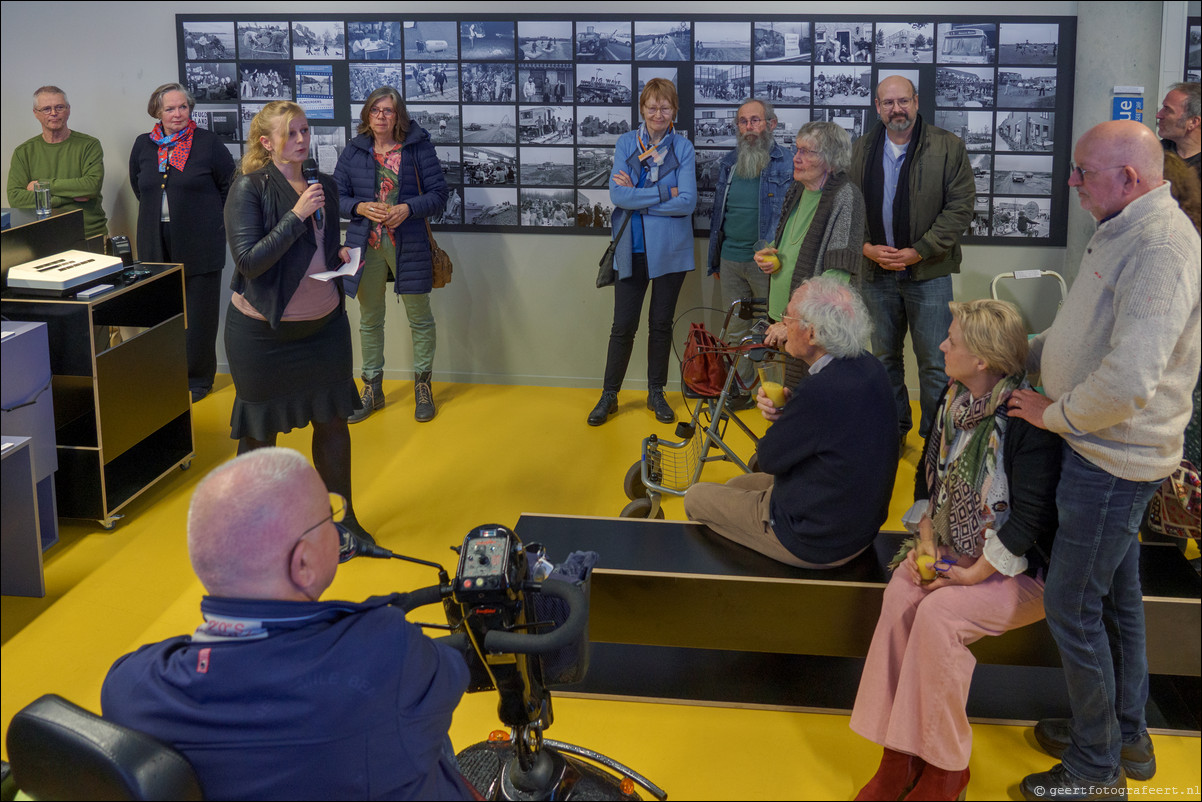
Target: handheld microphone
x: 309, y: 171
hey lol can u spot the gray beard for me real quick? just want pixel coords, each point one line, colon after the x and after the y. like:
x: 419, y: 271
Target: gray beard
x: 898, y: 126
x: 751, y: 160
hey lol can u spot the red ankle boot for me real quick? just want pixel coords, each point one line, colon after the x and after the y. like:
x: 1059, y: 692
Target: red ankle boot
x: 894, y: 777
x: 936, y: 784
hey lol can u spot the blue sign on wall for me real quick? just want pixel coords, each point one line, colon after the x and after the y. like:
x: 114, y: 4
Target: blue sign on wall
x: 1128, y: 108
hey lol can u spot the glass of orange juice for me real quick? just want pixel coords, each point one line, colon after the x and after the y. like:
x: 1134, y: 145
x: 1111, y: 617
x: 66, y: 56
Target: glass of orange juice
x: 771, y: 371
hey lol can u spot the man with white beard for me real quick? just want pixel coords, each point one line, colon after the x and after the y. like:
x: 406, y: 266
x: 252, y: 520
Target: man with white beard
x: 752, y: 181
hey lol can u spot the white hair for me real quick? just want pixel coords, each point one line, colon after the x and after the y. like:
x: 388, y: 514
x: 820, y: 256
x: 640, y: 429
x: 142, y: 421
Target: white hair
x: 836, y: 313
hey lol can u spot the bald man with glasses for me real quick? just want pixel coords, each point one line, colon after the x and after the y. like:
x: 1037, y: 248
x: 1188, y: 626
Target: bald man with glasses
x: 70, y: 161
x: 279, y: 695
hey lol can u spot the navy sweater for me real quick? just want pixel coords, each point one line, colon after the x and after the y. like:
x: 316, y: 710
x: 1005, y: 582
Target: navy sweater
x: 833, y: 454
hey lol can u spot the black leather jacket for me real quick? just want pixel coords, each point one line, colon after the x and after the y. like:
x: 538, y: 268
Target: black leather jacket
x: 271, y: 246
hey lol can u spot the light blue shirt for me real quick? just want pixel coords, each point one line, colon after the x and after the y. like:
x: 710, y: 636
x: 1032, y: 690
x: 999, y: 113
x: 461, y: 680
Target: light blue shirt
x: 892, y: 167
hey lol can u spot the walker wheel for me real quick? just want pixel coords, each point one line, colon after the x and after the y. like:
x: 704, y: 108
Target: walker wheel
x: 641, y: 508
x: 633, y: 485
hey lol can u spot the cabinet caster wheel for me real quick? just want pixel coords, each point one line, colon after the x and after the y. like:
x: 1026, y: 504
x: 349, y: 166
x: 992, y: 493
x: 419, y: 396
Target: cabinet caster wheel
x: 183, y: 466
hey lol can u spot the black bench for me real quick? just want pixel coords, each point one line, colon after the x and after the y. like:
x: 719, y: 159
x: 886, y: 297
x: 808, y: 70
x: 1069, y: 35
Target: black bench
x: 680, y: 614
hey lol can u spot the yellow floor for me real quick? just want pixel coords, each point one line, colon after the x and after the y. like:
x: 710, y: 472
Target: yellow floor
x: 492, y: 453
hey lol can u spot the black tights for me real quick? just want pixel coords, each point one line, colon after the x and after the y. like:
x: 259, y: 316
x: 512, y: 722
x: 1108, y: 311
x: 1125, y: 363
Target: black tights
x: 331, y: 457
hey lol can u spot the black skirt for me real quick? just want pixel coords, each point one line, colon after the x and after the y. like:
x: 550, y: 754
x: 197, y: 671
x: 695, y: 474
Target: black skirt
x: 286, y: 378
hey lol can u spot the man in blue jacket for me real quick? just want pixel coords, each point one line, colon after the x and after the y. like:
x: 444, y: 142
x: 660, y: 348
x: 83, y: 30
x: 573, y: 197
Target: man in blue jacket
x: 752, y: 181
x: 278, y: 695
x: 830, y: 457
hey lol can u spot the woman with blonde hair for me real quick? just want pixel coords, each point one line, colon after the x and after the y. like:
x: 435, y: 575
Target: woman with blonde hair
x: 286, y: 333
x: 985, y: 510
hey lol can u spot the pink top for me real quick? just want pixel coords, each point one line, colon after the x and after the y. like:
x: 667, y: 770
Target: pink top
x: 312, y: 300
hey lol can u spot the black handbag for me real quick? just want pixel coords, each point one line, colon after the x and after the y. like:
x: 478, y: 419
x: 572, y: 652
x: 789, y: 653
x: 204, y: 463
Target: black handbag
x: 606, y: 276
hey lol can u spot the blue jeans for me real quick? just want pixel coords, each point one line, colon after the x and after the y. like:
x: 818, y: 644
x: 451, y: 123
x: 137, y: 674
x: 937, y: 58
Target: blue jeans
x: 896, y: 303
x: 1095, y: 611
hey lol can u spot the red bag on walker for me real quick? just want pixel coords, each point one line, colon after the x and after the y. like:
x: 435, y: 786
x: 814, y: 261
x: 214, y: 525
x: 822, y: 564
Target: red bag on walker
x: 704, y: 367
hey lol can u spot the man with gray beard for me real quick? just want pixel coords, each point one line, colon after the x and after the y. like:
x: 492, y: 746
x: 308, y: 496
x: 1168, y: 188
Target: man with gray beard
x: 752, y: 181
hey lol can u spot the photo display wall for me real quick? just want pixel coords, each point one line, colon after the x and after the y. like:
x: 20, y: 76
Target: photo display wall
x: 524, y: 110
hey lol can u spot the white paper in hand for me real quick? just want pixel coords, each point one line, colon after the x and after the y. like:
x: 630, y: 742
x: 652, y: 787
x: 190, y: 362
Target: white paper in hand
x: 348, y: 269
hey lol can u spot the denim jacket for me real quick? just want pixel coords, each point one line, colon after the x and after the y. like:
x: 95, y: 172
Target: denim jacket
x: 774, y: 182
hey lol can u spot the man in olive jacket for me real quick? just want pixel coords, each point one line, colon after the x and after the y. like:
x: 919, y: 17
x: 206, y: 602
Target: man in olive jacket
x: 918, y: 193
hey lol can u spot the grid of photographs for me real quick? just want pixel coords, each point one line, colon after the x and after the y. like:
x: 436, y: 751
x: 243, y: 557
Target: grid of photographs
x: 524, y: 113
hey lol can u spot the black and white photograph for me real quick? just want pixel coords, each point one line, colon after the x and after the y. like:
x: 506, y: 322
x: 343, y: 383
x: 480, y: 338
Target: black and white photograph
x: 703, y: 214
x: 1026, y: 87
x: 1022, y: 217
x: 661, y: 41
x: 326, y: 143
x: 721, y: 41
x: 209, y: 41
x: 853, y: 121
x: 452, y: 213
x: 982, y: 172
x: 603, y: 83
x: 1028, y: 43
x: 212, y: 81
x: 488, y: 165
x: 367, y: 78
x: 441, y: 121
x: 783, y: 84
x: 707, y: 167
x: 1022, y: 175
x: 967, y: 43
x: 544, y: 41
x: 974, y: 127
x: 452, y: 163
x: 488, y: 83
x: 436, y: 81
x: 374, y: 41
x: 318, y: 40
x: 601, y: 125
x: 548, y: 82
x: 593, y: 167
x: 979, y: 227
x: 1025, y: 131
x: 715, y: 126
x: 248, y: 112
x: 266, y: 81
x: 603, y: 41
x: 431, y: 40
x: 221, y: 120
x: 964, y: 87
x: 486, y: 40
x: 1193, y: 53
x: 492, y: 206
x: 547, y: 167
x: 775, y: 42
x: 721, y: 83
x: 262, y: 40
x: 835, y: 85
x: 913, y: 76
x: 905, y: 42
x: 593, y: 208
x: 647, y: 73
x: 548, y: 207
x: 843, y: 42
x: 788, y: 123
x: 489, y: 124
x: 315, y: 90
x: 546, y: 125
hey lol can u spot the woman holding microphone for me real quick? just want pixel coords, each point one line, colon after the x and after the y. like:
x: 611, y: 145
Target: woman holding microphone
x: 181, y: 175
x: 286, y: 333
x: 654, y: 191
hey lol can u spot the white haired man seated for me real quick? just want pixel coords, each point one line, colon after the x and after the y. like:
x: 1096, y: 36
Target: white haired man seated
x: 830, y: 456
x: 278, y: 695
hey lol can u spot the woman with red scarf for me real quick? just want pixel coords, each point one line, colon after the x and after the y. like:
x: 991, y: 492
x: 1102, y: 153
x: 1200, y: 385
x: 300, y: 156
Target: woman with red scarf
x: 180, y: 175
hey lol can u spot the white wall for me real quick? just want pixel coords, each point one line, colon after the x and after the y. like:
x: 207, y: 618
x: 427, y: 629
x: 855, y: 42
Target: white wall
x: 522, y: 308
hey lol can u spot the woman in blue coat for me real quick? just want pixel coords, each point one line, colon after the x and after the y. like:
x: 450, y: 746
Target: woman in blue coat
x: 390, y: 180
x: 654, y: 187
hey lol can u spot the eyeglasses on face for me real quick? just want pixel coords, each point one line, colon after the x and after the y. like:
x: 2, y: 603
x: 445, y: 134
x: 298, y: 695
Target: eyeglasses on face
x: 1081, y: 172
x: 750, y: 122
x: 385, y: 113
x: 337, y: 515
x: 901, y: 103
x: 660, y: 111
x: 58, y: 109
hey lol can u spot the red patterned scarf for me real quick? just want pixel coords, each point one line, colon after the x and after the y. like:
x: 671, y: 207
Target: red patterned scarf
x: 174, y: 148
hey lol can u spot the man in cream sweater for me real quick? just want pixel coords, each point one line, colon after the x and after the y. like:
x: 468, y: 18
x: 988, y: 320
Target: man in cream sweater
x: 1118, y: 365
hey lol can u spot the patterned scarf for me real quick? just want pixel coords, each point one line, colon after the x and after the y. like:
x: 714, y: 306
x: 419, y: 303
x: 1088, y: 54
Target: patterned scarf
x: 174, y: 148
x: 388, y: 182
x: 958, y: 485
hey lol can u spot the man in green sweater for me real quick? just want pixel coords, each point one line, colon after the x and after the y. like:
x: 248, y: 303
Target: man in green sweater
x: 71, y: 162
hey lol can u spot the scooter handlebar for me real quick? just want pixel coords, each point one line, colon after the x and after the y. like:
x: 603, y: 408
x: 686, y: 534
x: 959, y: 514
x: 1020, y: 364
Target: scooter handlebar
x: 563, y: 635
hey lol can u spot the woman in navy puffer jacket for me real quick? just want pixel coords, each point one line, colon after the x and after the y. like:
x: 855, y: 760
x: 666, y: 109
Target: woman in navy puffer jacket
x: 379, y: 193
